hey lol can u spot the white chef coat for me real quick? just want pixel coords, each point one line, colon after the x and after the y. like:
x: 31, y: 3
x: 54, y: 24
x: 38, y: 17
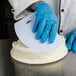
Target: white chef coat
x: 64, y: 9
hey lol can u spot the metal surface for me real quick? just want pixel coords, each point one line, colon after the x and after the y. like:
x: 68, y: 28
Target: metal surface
x: 10, y: 67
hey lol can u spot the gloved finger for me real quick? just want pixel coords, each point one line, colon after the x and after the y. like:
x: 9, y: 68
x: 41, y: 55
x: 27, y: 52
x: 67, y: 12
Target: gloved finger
x: 74, y: 46
x: 53, y: 33
x: 46, y: 32
x: 40, y: 28
x: 66, y: 36
x: 38, y: 18
x: 74, y: 31
x: 70, y: 42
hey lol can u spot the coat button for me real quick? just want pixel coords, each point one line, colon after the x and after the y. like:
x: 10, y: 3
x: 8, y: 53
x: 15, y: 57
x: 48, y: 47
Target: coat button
x: 62, y: 10
x: 61, y: 31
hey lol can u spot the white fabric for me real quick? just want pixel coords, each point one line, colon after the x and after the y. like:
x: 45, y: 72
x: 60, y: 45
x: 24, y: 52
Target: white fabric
x: 68, y: 17
x: 20, y: 6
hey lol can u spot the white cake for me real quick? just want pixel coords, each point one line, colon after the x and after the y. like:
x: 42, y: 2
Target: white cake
x: 23, y: 54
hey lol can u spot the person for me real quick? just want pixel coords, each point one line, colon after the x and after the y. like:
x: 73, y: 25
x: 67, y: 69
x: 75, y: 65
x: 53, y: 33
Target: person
x: 52, y: 16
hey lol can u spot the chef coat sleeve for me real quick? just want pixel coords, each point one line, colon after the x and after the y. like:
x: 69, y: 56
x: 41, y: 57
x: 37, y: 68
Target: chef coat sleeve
x: 19, y: 6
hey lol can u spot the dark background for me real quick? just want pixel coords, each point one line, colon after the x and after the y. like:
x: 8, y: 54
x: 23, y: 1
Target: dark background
x: 6, y: 21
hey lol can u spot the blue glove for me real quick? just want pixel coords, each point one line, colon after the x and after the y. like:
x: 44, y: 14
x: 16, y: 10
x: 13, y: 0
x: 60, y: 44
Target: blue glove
x: 71, y: 41
x: 46, y: 22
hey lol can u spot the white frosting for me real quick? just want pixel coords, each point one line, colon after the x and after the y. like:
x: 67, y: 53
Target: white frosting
x: 24, y: 54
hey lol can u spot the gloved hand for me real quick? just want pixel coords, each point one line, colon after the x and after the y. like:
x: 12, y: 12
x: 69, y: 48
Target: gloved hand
x: 71, y: 41
x: 46, y: 22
